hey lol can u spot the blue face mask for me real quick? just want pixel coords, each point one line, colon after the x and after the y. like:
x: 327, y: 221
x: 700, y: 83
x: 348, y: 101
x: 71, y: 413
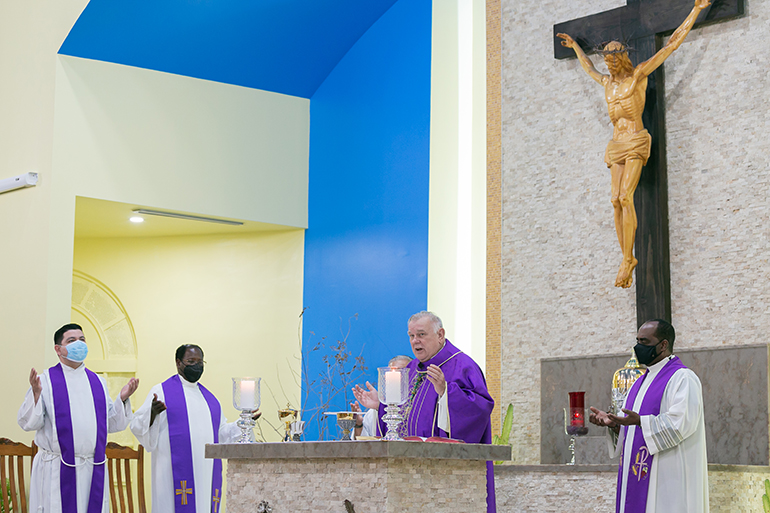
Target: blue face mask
x: 77, y: 351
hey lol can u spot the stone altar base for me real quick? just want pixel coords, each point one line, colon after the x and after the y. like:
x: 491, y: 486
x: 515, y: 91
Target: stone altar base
x: 375, y: 476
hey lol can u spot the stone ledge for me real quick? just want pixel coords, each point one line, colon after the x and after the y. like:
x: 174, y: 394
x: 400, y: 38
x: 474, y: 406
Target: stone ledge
x: 555, y: 468
x: 761, y: 469
x: 360, y: 449
x: 713, y: 467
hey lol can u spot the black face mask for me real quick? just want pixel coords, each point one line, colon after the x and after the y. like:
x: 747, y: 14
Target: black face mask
x: 646, y: 354
x: 192, y: 373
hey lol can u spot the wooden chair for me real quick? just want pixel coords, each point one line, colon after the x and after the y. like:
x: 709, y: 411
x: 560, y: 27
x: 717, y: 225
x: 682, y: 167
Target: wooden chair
x: 121, y: 490
x: 12, y: 474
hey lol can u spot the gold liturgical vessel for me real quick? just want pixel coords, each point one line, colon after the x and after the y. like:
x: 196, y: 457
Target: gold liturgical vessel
x: 287, y: 416
x: 622, y: 381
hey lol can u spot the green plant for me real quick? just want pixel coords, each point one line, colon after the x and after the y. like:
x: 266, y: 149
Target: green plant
x: 766, y: 496
x: 502, y: 438
x: 6, y: 505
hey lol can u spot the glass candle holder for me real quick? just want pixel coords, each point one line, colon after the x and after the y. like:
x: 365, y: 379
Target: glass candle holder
x: 575, y: 421
x: 577, y: 408
x: 246, y: 398
x: 392, y: 390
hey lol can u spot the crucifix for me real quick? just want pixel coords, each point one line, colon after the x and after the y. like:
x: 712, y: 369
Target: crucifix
x: 640, y: 26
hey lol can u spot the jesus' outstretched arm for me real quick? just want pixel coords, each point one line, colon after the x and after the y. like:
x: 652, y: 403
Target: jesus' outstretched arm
x: 675, y: 40
x: 585, y: 62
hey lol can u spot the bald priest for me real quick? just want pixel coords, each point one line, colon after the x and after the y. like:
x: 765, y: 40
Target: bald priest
x: 448, y: 395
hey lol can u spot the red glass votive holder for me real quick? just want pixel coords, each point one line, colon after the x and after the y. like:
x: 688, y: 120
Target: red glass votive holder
x: 577, y: 409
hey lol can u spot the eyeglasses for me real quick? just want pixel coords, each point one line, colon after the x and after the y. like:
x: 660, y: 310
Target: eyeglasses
x: 193, y: 362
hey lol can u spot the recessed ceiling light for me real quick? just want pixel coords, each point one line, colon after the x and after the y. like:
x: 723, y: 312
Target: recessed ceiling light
x: 136, y: 219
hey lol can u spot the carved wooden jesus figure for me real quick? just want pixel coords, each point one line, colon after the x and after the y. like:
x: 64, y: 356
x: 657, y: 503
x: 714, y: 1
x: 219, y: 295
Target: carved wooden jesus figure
x: 625, y: 90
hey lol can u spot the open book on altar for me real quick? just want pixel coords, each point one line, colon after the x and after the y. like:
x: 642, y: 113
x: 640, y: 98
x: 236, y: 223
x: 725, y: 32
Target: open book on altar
x: 432, y: 439
x: 414, y: 439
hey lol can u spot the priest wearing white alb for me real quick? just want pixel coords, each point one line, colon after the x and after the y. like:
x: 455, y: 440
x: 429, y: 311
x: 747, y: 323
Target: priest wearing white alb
x: 71, y: 410
x: 662, y: 437
x: 178, y: 418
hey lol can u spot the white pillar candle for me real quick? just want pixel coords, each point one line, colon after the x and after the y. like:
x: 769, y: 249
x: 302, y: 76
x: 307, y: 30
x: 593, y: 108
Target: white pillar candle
x: 247, y: 395
x: 393, y: 386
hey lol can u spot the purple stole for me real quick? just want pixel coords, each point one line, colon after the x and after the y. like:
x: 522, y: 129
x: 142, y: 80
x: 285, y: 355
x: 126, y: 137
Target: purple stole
x: 420, y: 420
x: 181, y: 445
x: 639, y: 471
x: 64, y: 434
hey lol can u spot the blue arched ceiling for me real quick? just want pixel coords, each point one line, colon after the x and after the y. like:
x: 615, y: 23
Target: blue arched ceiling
x: 284, y: 46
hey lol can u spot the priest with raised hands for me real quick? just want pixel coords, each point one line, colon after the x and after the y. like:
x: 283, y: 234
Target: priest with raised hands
x: 178, y: 418
x: 448, y: 395
x: 661, y: 438
x: 71, y: 410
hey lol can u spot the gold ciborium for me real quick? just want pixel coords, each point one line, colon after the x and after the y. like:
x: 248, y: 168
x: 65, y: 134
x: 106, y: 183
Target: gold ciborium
x: 346, y: 420
x: 287, y: 416
x: 622, y: 381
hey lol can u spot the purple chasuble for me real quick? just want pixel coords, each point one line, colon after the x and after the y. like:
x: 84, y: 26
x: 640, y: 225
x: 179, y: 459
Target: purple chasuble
x: 641, y: 463
x: 470, y: 405
x: 65, y: 436
x: 181, y: 445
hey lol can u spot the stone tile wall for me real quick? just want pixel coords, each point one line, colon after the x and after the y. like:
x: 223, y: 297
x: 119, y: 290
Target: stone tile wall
x: 569, y: 491
x: 737, y: 492
x: 558, y: 492
x: 718, y: 97
x: 559, y: 249
x: 373, y: 485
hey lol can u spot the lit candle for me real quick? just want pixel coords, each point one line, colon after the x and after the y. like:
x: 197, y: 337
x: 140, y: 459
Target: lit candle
x: 247, y: 394
x: 393, y: 386
x: 577, y: 408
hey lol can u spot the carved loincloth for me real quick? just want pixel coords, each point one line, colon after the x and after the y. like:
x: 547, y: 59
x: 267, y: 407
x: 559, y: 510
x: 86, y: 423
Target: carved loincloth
x: 637, y: 147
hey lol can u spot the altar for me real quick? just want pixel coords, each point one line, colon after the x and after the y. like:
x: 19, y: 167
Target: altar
x: 373, y: 476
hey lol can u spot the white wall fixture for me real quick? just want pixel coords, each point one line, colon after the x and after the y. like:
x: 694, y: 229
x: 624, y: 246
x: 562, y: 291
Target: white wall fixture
x: 18, y: 182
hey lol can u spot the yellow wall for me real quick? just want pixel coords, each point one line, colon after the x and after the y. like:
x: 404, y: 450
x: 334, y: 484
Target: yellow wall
x: 140, y: 136
x: 237, y: 296
x: 30, y: 36
x: 165, y: 141
x: 121, y: 134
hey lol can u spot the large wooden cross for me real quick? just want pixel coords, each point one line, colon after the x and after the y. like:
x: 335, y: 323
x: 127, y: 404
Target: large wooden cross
x: 641, y: 24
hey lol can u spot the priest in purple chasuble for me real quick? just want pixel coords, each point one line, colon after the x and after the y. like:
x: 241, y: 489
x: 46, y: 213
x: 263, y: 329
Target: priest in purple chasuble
x: 448, y: 393
x: 71, y: 410
x: 178, y: 418
x: 661, y: 440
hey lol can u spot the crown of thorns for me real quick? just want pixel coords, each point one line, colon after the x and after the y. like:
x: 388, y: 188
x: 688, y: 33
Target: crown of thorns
x: 624, y: 48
